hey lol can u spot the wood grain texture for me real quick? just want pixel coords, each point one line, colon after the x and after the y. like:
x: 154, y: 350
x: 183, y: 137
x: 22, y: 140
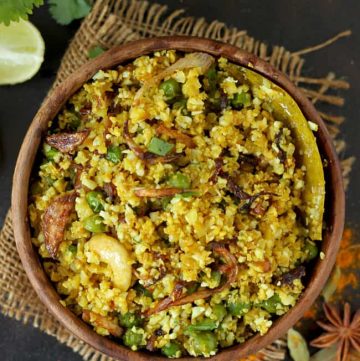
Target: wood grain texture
x: 335, y: 198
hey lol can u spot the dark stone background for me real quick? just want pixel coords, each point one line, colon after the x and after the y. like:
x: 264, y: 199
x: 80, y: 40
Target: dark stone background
x: 292, y: 23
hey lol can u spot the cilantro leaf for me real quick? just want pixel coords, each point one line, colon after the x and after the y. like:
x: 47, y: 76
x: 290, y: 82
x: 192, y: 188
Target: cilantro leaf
x: 95, y: 51
x: 65, y: 11
x: 14, y: 10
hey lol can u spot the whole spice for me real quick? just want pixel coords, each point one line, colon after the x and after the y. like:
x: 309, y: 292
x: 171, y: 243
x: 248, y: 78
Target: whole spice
x: 345, y: 333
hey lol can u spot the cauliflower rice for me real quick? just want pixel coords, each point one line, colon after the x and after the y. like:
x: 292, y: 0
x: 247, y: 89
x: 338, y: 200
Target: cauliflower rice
x: 188, y: 190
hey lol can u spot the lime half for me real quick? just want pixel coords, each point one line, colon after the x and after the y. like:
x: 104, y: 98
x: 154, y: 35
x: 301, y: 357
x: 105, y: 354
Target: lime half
x: 21, y: 52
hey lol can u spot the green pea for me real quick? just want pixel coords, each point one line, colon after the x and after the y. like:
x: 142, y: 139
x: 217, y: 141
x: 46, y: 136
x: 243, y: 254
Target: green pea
x: 238, y: 308
x: 240, y: 100
x: 205, y: 325
x: 114, y: 154
x: 159, y: 146
x: 132, y: 338
x: 95, y: 201
x: 271, y: 304
x: 171, y: 89
x: 171, y: 349
x: 130, y: 319
x: 94, y: 224
x: 50, y: 152
x: 219, y: 311
x: 180, y: 180
x: 203, y: 343
x: 72, y: 248
x: 311, y: 249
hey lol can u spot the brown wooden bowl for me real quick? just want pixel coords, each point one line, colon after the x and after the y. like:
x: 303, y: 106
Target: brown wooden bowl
x: 335, y: 199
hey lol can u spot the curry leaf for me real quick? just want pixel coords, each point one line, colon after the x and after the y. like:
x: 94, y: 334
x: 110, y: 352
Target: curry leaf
x: 331, y: 284
x: 65, y: 11
x: 297, y: 345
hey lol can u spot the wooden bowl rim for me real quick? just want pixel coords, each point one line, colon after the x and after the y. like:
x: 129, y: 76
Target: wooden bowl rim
x: 51, y: 107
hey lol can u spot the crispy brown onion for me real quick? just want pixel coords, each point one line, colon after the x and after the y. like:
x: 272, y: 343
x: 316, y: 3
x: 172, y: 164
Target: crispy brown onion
x: 177, y: 298
x: 101, y: 321
x: 67, y: 142
x: 55, y: 219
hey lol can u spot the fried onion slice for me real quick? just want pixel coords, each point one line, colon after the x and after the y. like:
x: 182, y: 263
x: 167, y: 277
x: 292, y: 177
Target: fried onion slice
x: 55, y: 219
x: 103, y: 322
x: 159, y: 192
x: 176, y: 134
x: 230, y: 269
x: 67, y: 142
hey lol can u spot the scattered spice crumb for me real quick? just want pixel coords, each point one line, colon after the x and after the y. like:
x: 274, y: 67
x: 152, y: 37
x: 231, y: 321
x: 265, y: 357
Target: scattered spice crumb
x: 310, y: 313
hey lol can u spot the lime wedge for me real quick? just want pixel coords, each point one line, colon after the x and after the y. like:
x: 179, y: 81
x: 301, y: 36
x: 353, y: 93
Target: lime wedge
x: 21, y: 52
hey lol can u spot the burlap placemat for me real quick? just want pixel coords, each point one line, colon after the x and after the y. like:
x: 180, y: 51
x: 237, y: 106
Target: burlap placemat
x: 114, y: 22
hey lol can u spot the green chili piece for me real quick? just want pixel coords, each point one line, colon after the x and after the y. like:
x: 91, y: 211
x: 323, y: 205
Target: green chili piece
x: 180, y: 180
x: 159, y: 146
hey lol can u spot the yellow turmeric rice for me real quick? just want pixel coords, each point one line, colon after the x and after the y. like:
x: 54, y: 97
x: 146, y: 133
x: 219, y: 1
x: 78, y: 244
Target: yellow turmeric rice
x: 168, y: 205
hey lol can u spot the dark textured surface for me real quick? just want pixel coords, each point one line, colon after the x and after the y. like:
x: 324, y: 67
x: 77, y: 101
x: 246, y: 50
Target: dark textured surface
x: 292, y: 23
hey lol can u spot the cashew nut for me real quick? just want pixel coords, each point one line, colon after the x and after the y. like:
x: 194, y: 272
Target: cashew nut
x: 115, y: 255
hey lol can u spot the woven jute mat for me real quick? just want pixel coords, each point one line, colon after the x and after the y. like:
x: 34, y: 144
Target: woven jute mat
x: 114, y: 22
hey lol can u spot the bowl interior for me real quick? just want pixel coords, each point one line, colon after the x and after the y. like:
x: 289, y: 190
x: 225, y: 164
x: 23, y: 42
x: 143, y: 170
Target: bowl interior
x: 334, y: 213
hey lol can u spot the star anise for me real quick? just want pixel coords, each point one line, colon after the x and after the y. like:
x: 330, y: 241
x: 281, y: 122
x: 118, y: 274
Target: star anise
x: 345, y: 333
